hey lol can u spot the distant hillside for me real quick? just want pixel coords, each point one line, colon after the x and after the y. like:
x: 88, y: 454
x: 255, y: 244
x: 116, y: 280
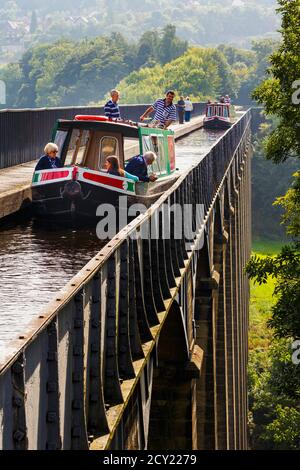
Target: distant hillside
x: 205, y: 22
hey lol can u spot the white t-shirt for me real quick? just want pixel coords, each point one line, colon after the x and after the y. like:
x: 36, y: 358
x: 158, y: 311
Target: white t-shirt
x: 188, y: 105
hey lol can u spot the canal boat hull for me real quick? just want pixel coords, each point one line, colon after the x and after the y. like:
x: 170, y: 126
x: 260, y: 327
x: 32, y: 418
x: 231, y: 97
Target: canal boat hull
x: 216, y: 123
x: 75, y: 199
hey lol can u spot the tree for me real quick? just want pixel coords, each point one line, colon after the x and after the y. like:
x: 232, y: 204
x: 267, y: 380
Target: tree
x: 200, y: 73
x: 277, y: 91
x: 170, y: 46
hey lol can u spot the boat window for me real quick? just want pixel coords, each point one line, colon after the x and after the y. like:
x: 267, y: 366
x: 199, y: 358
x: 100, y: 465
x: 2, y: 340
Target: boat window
x: 226, y: 112
x: 77, y: 147
x: 59, y: 140
x: 108, y: 146
x: 156, y: 143
x: 209, y: 111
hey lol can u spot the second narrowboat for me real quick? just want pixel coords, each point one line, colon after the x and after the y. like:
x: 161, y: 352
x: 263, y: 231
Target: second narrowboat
x: 217, y: 116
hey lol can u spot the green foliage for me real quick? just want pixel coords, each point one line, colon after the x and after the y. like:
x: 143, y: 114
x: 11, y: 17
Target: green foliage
x: 269, y: 182
x: 291, y: 204
x: 200, y: 73
x: 274, y: 385
x: 261, y: 50
x: 274, y: 381
x: 276, y: 92
x: 284, y: 431
x: 13, y: 77
x: 67, y: 73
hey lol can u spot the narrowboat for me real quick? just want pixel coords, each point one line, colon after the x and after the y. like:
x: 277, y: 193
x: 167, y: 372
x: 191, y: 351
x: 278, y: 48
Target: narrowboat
x: 78, y: 188
x: 217, y: 116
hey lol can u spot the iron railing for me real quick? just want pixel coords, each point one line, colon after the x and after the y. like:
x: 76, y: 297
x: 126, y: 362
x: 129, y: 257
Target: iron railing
x: 24, y: 132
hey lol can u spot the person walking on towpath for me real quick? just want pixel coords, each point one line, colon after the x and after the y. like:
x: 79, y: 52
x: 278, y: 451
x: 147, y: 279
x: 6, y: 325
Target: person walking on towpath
x: 165, y: 111
x: 181, y: 109
x: 188, y: 109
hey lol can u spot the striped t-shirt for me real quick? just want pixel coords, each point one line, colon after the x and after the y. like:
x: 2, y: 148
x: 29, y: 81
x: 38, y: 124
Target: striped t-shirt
x: 164, y: 113
x: 112, y: 110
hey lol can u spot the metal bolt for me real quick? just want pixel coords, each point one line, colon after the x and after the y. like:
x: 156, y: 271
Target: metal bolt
x: 17, y: 402
x: 51, y: 417
x: 19, y: 435
x: 95, y: 324
x: 78, y: 323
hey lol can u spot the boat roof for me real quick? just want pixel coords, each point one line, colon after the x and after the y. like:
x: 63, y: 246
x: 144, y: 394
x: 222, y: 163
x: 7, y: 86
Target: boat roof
x: 126, y: 130
x: 217, y: 104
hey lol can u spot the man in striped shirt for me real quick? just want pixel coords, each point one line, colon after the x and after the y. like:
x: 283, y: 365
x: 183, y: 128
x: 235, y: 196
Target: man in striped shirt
x: 165, y: 111
x: 111, y: 109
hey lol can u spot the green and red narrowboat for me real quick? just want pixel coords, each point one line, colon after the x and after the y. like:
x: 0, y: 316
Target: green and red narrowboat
x: 81, y: 185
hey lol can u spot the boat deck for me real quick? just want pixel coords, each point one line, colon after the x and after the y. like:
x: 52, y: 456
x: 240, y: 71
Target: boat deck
x: 15, y: 182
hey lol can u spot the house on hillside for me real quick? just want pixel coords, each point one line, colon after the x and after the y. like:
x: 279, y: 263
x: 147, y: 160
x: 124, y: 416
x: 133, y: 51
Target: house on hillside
x: 13, y: 31
x: 79, y: 20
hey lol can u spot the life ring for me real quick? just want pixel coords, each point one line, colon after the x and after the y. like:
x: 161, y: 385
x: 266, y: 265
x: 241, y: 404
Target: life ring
x: 87, y: 117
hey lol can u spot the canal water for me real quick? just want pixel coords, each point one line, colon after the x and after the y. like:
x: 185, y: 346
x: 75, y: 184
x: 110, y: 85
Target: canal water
x: 37, y: 260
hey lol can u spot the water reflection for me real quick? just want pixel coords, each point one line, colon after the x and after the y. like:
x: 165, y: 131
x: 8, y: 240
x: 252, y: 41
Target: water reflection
x: 192, y: 148
x: 35, y: 262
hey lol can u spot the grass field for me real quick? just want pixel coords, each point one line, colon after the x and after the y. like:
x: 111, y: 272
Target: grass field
x: 261, y: 301
x: 266, y: 248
